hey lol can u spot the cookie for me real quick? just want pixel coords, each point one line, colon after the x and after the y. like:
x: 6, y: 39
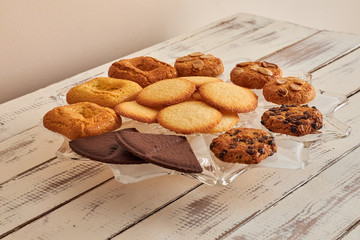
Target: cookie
x: 228, y: 121
x: 290, y: 90
x: 189, y: 117
x: 199, y: 64
x: 142, y: 70
x: 137, y: 112
x: 254, y: 75
x: 294, y: 120
x: 106, y: 92
x: 243, y: 145
x: 169, y: 151
x: 104, y: 148
x: 229, y: 97
x: 81, y: 120
x: 166, y: 92
x: 200, y: 80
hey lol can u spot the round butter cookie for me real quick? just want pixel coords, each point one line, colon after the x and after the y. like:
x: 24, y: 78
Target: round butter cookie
x: 81, y: 120
x: 137, y: 112
x: 229, y: 97
x: 199, y: 64
x: 243, y: 145
x: 294, y: 120
x: 142, y: 70
x: 228, y: 121
x: 290, y: 90
x: 200, y: 80
x: 189, y: 117
x: 254, y: 75
x: 104, y: 91
x: 166, y: 92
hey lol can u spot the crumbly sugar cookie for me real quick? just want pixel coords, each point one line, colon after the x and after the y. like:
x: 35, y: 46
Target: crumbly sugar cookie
x: 143, y: 70
x: 189, y: 117
x: 229, y: 97
x: 166, y: 92
x: 81, y: 120
x: 254, y: 75
x: 228, y: 121
x: 290, y: 90
x: 199, y: 64
x: 294, y: 120
x: 137, y: 112
x: 104, y: 91
x: 200, y: 80
x: 243, y: 145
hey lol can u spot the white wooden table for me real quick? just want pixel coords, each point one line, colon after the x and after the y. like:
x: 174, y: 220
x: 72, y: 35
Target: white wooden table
x: 42, y: 197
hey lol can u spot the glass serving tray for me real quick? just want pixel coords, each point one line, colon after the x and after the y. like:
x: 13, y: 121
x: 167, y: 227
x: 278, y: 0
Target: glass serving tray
x: 292, y: 151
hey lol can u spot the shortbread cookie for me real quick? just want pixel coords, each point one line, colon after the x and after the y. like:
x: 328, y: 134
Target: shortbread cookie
x: 142, y: 70
x: 229, y: 97
x: 254, y: 75
x: 200, y: 80
x: 104, y: 148
x: 166, y: 92
x: 106, y: 92
x: 81, y: 120
x: 295, y: 120
x: 189, y: 117
x: 199, y: 64
x: 290, y: 90
x: 168, y: 151
x: 243, y: 145
x: 228, y: 121
x: 137, y: 112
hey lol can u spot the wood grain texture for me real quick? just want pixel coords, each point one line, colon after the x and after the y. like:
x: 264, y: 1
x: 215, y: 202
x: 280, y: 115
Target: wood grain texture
x: 50, y: 199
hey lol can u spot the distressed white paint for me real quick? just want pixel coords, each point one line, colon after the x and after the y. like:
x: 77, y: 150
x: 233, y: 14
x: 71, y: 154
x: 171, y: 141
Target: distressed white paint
x: 47, y: 193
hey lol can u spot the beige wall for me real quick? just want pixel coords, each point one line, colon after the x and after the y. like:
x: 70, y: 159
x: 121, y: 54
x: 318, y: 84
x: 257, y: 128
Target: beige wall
x: 45, y: 41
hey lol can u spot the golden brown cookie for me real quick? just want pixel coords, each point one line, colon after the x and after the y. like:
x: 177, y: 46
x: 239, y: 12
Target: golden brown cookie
x: 199, y: 64
x: 254, y: 75
x: 81, y: 120
x: 137, y: 112
x: 294, y: 120
x: 200, y: 80
x: 290, y: 90
x: 228, y: 121
x: 166, y: 92
x: 142, y: 70
x: 189, y: 117
x: 104, y: 91
x: 229, y: 97
x: 243, y: 145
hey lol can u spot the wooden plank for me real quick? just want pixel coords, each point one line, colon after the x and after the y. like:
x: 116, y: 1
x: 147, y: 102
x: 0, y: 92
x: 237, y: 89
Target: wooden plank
x: 321, y: 209
x: 210, y: 212
x: 353, y: 233
x: 25, y: 151
x: 252, y: 193
x: 316, y: 51
x: 114, y: 205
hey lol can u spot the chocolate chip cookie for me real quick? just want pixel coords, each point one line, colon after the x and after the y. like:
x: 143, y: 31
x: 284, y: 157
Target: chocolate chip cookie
x: 294, y: 120
x: 243, y: 145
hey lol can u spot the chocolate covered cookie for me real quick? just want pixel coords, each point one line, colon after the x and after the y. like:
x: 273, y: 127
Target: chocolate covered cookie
x: 243, y: 145
x: 294, y: 120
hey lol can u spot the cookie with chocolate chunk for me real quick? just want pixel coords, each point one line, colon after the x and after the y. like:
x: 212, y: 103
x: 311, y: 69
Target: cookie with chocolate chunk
x: 290, y: 90
x: 294, y: 120
x: 243, y: 145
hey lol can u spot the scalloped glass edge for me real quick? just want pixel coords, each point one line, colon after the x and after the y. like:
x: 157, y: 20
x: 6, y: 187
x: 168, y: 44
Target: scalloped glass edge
x: 292, y: 151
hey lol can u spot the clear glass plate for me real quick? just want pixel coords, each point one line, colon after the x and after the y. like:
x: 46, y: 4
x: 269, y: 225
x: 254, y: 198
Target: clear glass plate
x: 292, y: 151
